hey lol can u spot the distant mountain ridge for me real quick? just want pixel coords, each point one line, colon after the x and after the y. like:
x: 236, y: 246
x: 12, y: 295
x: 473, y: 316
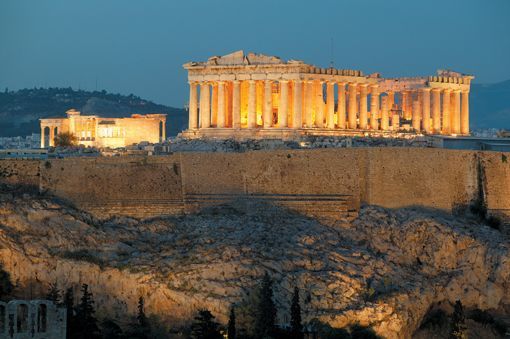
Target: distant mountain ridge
x: 20, y: 110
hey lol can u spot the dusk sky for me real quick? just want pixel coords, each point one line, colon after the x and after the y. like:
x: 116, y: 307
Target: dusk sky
x: 139, y: 46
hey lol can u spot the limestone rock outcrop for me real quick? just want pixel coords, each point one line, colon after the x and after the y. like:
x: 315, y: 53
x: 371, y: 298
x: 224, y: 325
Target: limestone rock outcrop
x: 384, y: 269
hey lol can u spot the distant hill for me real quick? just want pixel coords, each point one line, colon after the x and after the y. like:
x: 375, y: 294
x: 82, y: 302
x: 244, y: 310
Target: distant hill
x: 20, y: 110
x: 490, y: 105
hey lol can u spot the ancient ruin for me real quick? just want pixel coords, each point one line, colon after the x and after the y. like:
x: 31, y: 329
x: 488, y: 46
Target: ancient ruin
x: 94, y: 131
x: 259, y: 96
x: 37, y: 319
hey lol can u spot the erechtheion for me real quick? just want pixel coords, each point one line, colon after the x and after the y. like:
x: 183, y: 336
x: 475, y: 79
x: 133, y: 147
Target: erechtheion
x: 95, y: 131
x: 256, y: 95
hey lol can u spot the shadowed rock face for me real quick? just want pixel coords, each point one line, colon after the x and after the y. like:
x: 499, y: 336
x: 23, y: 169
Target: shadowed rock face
x: 384, y: 269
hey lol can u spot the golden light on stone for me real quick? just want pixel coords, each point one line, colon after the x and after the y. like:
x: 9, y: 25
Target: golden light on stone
x: 321, y: 100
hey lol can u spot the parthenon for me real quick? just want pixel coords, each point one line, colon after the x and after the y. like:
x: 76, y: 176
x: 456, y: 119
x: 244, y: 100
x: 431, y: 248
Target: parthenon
x: 255, y: 95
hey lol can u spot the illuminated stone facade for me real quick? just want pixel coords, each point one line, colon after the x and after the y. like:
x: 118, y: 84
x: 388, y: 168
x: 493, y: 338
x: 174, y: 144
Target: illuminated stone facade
x: 94, y: 131
x: 256, y: 95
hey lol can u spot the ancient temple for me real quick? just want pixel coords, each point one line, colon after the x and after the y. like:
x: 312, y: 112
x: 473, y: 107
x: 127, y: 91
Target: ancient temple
x: 254, y: 95
x: 95, y: 131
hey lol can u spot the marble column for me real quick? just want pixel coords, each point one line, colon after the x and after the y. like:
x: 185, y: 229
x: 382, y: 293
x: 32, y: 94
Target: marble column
x: 283, y: 104
x: 236, y: 104
x: 308, y: 103
x: 456, y: 112
x: 374, y: 107
x: 252, y: 104
x: 221, y: 104
x: 214, y: 104
x: 193, y: 109
x: 395, y: 122
x: 267, y: 115
x: 330, y: 105
x: 352, y: 108
x: 415, y: 120
x: 42, y: 136
x: 446, y: 129
x: 384, y: 113
x: 391, y: 100
x: 297, y: 96
x: 403, y: 104
x: 363, y: 106
x: 319, y: 104
x: 205, y: 105
x: 436, y: 110
x: 52, y: 136
x: 341, y: 105
x: 425, y: 109
x: 464, y: 113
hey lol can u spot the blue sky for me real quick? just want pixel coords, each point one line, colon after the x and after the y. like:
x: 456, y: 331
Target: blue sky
x: 139, y: 46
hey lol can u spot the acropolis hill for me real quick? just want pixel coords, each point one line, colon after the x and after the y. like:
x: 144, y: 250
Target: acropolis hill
x: 260, y: 96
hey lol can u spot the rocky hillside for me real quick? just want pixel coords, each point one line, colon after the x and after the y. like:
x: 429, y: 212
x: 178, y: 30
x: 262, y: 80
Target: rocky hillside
x: 20, y: 110
x: 386, y: 269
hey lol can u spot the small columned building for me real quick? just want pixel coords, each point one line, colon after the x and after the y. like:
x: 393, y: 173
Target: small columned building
x: 259, y: 96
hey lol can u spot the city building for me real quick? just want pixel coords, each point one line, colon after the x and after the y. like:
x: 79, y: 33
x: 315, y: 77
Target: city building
x: 257, y: 96
x: 94, y: 131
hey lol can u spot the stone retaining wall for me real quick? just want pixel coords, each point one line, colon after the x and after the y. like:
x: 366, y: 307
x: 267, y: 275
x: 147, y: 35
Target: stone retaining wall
x: 329, y: 183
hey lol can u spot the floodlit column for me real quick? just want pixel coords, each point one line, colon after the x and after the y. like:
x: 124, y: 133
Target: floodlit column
x: 391, y: 100
x: 352, y: 108
x: 416, y: 116
x: 330, y: 104
x: 425, y: 109
x: 236, y: 104
x: 221, y: 104
x: 456, y: 112
x: 403, y: 103
x: 446, y: 112
x: 319, y: 101
x: 384, y: 113
x: 395, y: 122
x: 464, y: 113
x: 363, y: 114
x: 374, y: 106
x: 252, y: 104
x: 267, y: 116
x: 214, y: 104
x: 52, y: 136
x: 205, y: 105
x: 283, y: 104
x: 436, y: 110
x: 308, y: 103
x: 42, y: 136
x: 341, y: 105
x: 193, y: 109
x: 297, y: 121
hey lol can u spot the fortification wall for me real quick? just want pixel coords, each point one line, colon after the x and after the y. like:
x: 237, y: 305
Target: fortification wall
x: 430, y: 177
x: 329, y: 183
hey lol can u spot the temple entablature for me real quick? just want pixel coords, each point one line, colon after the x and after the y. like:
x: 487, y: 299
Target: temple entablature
x: 268, y: 94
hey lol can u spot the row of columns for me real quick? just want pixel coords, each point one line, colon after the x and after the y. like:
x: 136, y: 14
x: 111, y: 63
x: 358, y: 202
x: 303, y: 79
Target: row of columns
x: 51, y: 140
x: 426, y: 113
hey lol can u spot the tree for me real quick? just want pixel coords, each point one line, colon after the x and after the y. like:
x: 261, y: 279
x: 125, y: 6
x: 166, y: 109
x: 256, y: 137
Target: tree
x: 86, y: 323
x: 295, y: 316
x: 265, y: 312
x: 204, y: 326
x: 53, y: 294
x: 458, y: 329
x: 141, y: 328
x: 65, y: 139
x: 6, y: 285
x: 232, y: 324
x: 69, y: 304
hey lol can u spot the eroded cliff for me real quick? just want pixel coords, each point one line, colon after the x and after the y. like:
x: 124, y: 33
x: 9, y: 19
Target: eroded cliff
x: 384, y: 269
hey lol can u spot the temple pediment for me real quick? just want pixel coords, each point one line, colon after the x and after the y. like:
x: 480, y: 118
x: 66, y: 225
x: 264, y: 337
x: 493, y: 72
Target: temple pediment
x: 239, y: 58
